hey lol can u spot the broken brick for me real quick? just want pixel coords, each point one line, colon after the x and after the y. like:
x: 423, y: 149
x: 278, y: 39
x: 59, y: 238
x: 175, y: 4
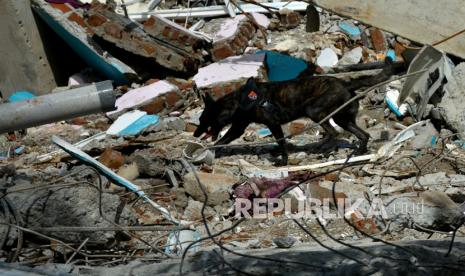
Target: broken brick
x: 134, y: 39
x: 222, y: 52
x: 289, y: 19
x: 149, y: 98
x: 111, y: 158
x: 232, y: 38
x: 114, y: 30
x: 154, y: 107
x: 378, y: 39
x: 96, y: 20
x: 296, y: 127
x: 226, y: 76
x: 172, y: 98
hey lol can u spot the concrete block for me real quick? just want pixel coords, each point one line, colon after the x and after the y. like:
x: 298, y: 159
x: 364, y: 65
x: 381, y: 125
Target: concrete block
x: 129, y: 36
x: 225, y: 76
x: 176, y: 35
x: 232, y: 37
x: 218, y: 186
x: 153, y: 98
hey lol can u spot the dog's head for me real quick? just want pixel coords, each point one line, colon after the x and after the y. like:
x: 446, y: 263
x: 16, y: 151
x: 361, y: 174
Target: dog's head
x: 212, y: 119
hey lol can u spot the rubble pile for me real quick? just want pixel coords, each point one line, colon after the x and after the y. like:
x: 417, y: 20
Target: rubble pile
x: 131, y: 188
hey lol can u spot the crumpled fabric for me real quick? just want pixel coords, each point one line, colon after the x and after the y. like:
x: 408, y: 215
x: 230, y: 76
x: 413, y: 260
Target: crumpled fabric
x: 75, y: 3
x: 269, y: 188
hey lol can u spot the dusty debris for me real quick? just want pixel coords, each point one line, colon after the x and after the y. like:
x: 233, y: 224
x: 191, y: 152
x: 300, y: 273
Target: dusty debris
x: 140, y: 161
x: 225, y: 76
x: 217, y: 185
x: 75, y: 207
x: 449, y: 106
x: 112, y: 158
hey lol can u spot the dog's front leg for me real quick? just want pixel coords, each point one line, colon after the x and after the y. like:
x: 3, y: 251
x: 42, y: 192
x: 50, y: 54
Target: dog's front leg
x: 278, y: 134
x: 236, y: 130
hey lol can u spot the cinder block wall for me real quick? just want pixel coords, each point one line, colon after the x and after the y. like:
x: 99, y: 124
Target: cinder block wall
x: 23, y: 63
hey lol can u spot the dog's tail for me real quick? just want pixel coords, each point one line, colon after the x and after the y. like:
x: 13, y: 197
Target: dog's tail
x: 368, y: 81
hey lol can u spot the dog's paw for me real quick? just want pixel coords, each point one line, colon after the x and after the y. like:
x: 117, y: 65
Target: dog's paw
x: 281, y: 162
x: 360, y: 151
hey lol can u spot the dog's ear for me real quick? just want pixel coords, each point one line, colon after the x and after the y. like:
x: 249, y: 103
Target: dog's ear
x: 250, y: 82
x: 207, y: 99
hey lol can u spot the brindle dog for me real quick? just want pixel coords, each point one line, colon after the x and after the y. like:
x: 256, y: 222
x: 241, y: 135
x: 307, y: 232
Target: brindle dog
x: 277, y: 103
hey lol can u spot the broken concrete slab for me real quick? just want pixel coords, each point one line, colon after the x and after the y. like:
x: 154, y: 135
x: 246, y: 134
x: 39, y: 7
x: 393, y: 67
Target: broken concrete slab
x: 451, y: 107
x: 429, y: 209
x: 230, y: 36
x: 176, y: 35
x: 69, y: 24
x: 218, y: 186
x: 289, y: 19
x: 225, y: 76
x: 408, y: 18
x: 153, y: 98
x: 130, y: 36
x: 73, y: 206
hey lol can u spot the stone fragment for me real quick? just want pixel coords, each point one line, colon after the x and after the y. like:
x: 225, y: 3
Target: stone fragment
x: 225, y: 76
x: 111, y: 158
x: 218, y: 186
x: 153, y: 98
x: 284, y: 242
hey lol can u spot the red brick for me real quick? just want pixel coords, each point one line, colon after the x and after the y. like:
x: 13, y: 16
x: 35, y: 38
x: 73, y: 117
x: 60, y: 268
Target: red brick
x: 156, y: 106
x: 150, y: 22
x: 175, y: 34
x: 296, y: 127
x: 166, y: 31
x: 112, y: 158
x: 114, y: 30
x: 379, y: 42
x: 151, y: 81
x: 77, y: 18
x: 62, y: 7
x: 172, y: 98
x: 96, y: 20
x: 181, y: 83
x: 221, y: 52
x: 79, y: 121
x: 149, y: 48
x: 399, y: 49
x: 237, y: 43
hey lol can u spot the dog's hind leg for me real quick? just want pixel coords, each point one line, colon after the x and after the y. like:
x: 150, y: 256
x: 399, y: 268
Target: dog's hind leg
x: 316, y: 114
x: 329, y: 138
x: 278, y: 134
x: 347, y: 122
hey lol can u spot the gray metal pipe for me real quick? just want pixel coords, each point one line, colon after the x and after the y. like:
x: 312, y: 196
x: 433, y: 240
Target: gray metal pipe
x: 55, y: 107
